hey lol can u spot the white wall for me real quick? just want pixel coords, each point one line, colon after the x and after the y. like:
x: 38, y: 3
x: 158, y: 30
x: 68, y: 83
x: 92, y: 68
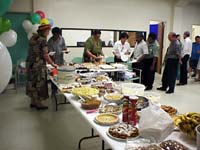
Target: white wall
x: 185, y: 17
x: 115, y: 14
x: 108, y: 14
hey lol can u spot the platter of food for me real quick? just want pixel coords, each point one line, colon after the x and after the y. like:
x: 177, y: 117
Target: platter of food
x: 110, y: 108
x: 142, y: 102
x: 86, y: 92
x: 172, y: 145
x: 106, y: 119
x: 113, y: 97
x: 169, y: 109
x: 122, y: 132
x: 89, y: 104
x: 187, y: 123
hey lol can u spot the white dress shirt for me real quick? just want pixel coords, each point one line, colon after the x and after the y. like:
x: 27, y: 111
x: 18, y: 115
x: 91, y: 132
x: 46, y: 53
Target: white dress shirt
x: 187, y: 47
x: 140, y: 49
x: 120, y: 48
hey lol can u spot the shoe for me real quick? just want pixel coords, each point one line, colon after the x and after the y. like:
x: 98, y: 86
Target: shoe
x: 161, y: 89
x: 169, y: 92
x: 41, y: 107
x: 194, y: 75
x: 148, y: 88
x: 33, y: 105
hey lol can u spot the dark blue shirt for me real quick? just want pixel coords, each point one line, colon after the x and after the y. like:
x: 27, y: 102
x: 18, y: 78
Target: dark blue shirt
x: 195, y: 48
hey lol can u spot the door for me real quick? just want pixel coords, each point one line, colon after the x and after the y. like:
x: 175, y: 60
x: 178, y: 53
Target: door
x: 161, y: 27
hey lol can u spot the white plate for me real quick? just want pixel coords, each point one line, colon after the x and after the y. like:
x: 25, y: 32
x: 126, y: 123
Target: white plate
x: 52, y: 53
x: 124, y: 57
x: 65, y: 51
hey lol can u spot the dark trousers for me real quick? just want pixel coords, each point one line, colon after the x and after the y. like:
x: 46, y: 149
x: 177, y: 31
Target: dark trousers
x: 149, y: 75
x: 183, y: 70
x: 139, y: 65
x: 169, y: 74
x: 117, y: 59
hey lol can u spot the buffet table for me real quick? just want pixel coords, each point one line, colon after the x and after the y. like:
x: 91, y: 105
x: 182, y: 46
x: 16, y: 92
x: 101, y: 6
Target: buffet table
x: 102, y: 130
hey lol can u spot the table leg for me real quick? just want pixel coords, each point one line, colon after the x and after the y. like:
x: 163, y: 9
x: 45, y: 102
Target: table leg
x: 103, y: 146
x: 85, y: 138
x: 54, y: 91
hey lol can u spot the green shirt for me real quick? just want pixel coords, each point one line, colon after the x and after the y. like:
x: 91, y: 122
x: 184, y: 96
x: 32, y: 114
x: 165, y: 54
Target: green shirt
x: 153, y: 49
x: 95, y: 47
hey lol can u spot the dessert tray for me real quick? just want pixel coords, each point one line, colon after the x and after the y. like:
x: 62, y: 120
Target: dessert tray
x: 113, y: 97
x: 122, y: 132
x: 85, y: 92
x: 110, y: 108
x: 106, y: 119
x: 169, y: 109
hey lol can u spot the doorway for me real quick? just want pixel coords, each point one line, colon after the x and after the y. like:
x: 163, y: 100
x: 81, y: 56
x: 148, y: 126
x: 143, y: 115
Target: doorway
x: 158, y: 27
x: 195, y: 31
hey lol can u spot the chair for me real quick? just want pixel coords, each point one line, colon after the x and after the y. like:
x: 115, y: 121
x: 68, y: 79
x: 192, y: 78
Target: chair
x: 110, y: 60
x: 20, y: 73
x: 77, y: 60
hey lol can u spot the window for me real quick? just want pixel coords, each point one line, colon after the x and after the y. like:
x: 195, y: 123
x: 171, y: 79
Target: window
x: 76, y: 37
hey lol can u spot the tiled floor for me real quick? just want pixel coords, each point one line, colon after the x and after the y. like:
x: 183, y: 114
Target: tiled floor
x: 22, y: 128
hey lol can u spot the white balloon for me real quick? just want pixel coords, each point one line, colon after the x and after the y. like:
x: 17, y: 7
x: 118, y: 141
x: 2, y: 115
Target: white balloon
x: 5, y: 67
x: 35, y: 28
x: 9, y: 38
x: 27, y: 25
x: 30, y: 34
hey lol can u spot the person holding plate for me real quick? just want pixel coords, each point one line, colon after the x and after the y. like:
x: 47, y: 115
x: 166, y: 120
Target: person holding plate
x: 121, y: 48
x: 57, y: 44
x: 139, y: 54
x: 93, y: 48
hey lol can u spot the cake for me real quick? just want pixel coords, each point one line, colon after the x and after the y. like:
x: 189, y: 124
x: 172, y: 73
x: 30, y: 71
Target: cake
x: 123, y: 131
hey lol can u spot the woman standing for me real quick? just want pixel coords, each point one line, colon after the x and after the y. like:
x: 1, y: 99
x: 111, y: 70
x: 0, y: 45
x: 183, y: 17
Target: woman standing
x: 36, y: 87
x: 121, y: 47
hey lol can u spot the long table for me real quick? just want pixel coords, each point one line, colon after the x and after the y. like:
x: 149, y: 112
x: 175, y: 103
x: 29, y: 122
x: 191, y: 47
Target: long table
x: 102, y: 130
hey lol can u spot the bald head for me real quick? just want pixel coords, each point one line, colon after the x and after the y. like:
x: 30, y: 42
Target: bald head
x: 172, y: 36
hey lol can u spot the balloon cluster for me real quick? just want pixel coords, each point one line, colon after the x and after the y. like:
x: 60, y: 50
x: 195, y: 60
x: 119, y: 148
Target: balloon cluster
x: 8, y: 38
x: 37, y: 18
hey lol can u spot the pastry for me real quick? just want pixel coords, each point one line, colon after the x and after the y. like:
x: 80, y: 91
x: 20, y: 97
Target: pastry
x: 90, y: 104
x: 172, y: 145
x: 110, y: 109
x: 170, y: 110
x: 106, y: 119
x: 85, y: 91
x: 123, y: 131
x: 113, y: 96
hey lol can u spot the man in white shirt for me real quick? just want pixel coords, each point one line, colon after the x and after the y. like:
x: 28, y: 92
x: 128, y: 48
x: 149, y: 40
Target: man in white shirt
x: 121, y: 48
x: 185, y: 54
x: 139, y: 54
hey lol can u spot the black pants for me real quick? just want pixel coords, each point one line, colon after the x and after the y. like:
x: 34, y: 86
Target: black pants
x: 149, y: 75
x: 139, y: 65
x: 169, y: 74
x: 183, y: 70
x: 117, y: 59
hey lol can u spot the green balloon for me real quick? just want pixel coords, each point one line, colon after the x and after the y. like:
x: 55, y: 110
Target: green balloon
x: 4, y: 5
x: 35, y: 18
x: 5, y: 25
